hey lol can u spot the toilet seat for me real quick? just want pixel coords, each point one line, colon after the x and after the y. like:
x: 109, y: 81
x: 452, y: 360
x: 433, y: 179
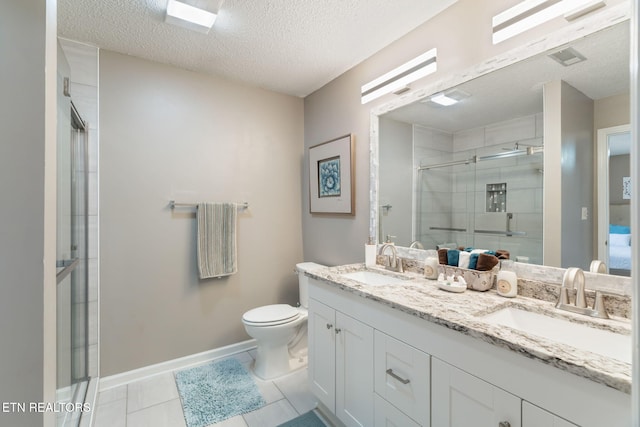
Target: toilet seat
x: 271, y: 315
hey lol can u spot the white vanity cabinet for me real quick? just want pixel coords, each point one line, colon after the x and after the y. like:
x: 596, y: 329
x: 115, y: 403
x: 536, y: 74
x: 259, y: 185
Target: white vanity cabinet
x: 532, y: 416
x: 387, y: 415
x: 341, y: 364
x: 371, y: 364
x: 402, y: 379
x: 460, y: 400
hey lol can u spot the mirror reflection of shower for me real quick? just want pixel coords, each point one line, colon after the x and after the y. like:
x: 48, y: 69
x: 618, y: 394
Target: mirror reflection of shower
x: 478, y: 188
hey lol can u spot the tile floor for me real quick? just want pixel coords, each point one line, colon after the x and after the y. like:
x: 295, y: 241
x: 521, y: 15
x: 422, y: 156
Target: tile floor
x: 154, y: 402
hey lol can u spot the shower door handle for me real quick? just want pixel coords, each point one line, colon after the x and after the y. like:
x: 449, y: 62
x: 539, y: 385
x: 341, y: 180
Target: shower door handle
x: 67, y: 265
x: 509, y: 218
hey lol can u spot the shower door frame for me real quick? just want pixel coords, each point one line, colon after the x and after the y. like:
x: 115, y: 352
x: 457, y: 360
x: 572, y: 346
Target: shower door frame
x: 79, y: 366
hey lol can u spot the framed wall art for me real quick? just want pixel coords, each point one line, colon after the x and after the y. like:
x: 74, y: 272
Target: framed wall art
x: 331, y: 177
x: 626, y: 187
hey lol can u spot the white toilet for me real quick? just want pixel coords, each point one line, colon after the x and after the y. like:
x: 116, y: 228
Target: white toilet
x: 276, y: 326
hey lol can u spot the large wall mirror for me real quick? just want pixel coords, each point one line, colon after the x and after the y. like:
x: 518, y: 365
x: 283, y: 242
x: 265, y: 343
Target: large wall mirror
x: 488, y: 171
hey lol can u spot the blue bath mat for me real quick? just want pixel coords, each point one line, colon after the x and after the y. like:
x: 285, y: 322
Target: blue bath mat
x: 310, y: 419
x: 214, y: 392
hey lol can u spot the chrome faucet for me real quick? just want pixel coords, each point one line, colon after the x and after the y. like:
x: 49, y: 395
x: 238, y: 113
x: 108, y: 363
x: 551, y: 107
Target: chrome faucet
x: 575, y: 276
x: 416, y: 244
x: 394, y: 263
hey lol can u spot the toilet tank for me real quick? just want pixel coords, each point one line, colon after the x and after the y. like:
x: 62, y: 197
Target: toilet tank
x: 303, y: 281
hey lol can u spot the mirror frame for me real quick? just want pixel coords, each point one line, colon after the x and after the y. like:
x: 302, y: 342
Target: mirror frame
x: 565, y: 35
x: 634, y: 63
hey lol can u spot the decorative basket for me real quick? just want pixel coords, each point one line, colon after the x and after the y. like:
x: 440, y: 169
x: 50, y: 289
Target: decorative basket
x: 476, y: 280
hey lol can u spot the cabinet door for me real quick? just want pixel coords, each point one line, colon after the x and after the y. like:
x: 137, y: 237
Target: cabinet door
x: 533, y: 416
x: 354, y: 372
x: 402, y: 376
x: 322, y: 344
x: 459, y: 399
x: 387, y: 415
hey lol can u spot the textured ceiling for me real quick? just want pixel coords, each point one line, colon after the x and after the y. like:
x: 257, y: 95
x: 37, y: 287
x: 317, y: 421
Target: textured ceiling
x: 289, y: 46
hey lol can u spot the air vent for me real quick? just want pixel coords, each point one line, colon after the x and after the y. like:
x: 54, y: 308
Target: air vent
x: 567, y: 57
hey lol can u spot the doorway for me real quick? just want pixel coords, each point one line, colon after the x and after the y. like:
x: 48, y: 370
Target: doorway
x: 614, y: 196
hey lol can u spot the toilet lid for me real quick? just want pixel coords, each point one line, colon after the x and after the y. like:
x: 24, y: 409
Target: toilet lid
x: 271, y: 313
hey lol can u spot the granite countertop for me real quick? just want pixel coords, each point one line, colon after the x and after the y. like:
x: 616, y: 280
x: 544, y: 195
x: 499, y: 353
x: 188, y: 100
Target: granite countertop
x: 463, y: 313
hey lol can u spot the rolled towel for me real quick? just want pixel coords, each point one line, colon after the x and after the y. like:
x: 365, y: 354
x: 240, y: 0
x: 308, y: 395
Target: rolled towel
x: 463, y: 259
x: 486, y: 262
x: 453, y: 255
x: 502, y: 254
x: 473, y: 260
x: 442, y: 256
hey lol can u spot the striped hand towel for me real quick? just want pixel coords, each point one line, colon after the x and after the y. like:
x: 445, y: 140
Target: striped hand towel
x: 217, y: 251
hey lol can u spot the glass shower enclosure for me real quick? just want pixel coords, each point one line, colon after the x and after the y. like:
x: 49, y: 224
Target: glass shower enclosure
x: 71, y: 259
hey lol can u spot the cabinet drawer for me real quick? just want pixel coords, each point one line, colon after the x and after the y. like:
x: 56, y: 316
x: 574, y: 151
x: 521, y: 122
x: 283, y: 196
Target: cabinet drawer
x: 461, y: 400
x: 387, y: 415
x: 402, y: 376
x: 532, y: 416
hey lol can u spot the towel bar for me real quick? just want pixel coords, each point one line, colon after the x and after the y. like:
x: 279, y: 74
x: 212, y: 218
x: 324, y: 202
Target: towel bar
x: 173, y: 204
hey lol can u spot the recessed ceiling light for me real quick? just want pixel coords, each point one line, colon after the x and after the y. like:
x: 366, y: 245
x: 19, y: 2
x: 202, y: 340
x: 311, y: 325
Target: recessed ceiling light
x: 190, y: 17
x: 448, y: 97
x: 443, y: 99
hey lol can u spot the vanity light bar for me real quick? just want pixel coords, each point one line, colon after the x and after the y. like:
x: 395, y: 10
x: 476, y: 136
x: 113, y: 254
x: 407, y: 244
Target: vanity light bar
x: 401, y: 76
x: 531, y: 13
x: 587, y: 7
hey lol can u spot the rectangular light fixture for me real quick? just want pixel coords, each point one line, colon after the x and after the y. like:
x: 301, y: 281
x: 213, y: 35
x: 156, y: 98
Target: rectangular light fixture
x: 583, y: 9
x: 531, y: 13
x: 400, y: 77
x: 447, y: 98
x: 443, y: 99
x: 190, y: 17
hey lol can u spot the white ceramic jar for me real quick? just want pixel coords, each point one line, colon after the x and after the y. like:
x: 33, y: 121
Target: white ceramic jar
x: 507, y: 280
x: 431, y: 265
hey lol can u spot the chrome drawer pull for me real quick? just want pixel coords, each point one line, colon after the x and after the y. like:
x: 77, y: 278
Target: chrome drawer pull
x: 329, y: 326
x: 394, y: 375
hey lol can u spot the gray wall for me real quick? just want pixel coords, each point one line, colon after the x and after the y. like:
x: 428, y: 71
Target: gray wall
x: 577, y: 170
x: 335, y: 109
x: 165, y: 134
x: 27, y: 241
x: 568, y: 164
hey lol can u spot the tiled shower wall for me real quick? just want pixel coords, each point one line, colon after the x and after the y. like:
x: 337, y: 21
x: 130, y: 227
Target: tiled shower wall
x: 455, y: 197
x: 83, y: 61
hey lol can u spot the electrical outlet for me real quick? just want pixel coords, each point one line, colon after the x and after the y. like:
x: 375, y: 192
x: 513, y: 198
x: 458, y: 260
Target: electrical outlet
x: 585, y: 213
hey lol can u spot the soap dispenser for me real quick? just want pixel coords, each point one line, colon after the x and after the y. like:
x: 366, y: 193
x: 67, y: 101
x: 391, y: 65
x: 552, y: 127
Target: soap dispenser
x: 507, y: 280
x: 370, y: 249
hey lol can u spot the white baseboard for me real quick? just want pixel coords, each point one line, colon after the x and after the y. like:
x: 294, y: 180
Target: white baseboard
x: 171, y: 365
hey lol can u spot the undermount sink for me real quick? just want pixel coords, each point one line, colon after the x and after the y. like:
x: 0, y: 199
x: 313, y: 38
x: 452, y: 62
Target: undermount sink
x: 373, y: 278
x: 606, y: 343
